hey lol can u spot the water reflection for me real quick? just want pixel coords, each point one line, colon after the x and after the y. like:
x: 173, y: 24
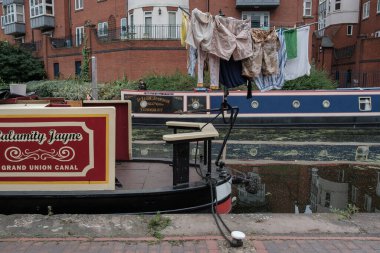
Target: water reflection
x: 292, y: 170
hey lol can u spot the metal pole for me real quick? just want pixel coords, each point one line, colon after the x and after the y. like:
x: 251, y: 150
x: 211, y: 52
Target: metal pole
x: 94, y: 81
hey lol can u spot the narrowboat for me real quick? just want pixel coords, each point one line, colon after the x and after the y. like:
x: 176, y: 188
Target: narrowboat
x: 58, y: 159
x: 341, y: 107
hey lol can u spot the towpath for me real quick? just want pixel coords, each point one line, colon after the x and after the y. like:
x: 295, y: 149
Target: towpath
x: 266, y: 233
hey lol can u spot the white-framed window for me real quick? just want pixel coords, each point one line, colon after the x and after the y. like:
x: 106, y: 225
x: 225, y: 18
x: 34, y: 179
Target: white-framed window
x: 322, y: 12
x: 366, y: 9
x: 79, y: 35
x: 377, y: 34
x: 349, y: 29
x: 354, y: 194
x: 172, y: 24
x: 259, y: 19
x: 102, y: 29
x: 378, y: 6
x: 78, y: 5
x: 367, y: 203
x: 337, y: 5
x: 2, y: 20
x: 41, y: 7
x: 307, y: 4
x: 123, y: 28
x: 13, y: 13
x: 148, y: 24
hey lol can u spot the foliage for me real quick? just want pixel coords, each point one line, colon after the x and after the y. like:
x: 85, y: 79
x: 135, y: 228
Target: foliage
x: 18, y: 65
x: 318, y: 79
x: 68, y: 89
x: 156, y: 224
x: 85, y: 68
x: 347, y: 213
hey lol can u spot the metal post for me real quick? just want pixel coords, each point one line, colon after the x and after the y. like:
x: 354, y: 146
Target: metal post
x: 94, y: 81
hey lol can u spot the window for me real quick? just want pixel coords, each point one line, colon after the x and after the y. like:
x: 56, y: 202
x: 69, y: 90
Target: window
x: 123, y: 28
x: 337, y: 5
x: 148, y: 24
x: 102, y: 29
x: 366, y: 10
x: 78, y: 68
x: 378, y: 6
x: 41, y: 7
x: 258, y: 19
x: 307, y: 7
x: 322, y: 15
x: 78, y: 4
x: 377, y: 34
x: 327, y: 199
x: 56, y: 70
x: 354, y: 194
x: 79, y: 35
x: 172, y: 24
x: 349, y: 29
x: 13, y: 13
x: 367, y: 203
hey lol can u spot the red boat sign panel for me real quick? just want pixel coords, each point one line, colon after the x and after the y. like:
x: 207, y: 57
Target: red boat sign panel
x: 57, y: 149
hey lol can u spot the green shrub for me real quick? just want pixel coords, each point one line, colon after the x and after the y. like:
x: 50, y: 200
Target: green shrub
x: 68, y: 89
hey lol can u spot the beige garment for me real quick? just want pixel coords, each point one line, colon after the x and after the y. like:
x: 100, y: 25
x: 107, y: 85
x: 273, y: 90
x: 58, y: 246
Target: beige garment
x: 264, y: 60
x: 231, y: 37
x: 200, y: 30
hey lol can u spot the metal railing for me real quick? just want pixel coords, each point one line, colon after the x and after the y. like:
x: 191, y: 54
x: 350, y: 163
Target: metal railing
x: 66, y: 42
x: 32, y: 46
x: 349, y: 79
x: 140, y: 32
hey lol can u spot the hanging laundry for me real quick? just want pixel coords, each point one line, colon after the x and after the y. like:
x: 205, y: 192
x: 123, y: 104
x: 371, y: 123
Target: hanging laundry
x: 264, y: 60
x: 275, y: 81
x: 291, y: 43
x: 231, y: 37
x: 300, y: 65
x: 230, y: 73
x: 200, y: 30
x: 184, y: 24
x: 192, y: 60
x: 213, y: 65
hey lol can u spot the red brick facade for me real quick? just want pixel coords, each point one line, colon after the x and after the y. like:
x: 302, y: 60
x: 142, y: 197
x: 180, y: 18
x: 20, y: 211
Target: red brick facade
x: 354, y: 60
x: 117, y: 59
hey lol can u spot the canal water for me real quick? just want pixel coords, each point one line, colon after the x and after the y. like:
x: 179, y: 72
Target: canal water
x: 288, y: 170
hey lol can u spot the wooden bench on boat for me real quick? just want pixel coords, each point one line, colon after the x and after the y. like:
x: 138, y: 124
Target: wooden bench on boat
x: 205, y: 132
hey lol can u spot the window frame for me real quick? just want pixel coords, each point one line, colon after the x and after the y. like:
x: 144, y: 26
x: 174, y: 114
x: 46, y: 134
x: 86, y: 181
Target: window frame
x: 351, y: 30
x: 378, y: 6
x: 11, y: 14
x: 148, y: 28
x: 79, y: 5
x: 338, y: 3
x: 40, y: 6
x: 102, y: 29
x: 261, y: 14
x: 79, y: 37
x: 305, y: 9
x: 123, y: 23
x: 366, y: 10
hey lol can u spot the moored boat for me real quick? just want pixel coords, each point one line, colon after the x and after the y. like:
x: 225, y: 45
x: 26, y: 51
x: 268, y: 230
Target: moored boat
x: 342, y: 107
x: 57, y: 159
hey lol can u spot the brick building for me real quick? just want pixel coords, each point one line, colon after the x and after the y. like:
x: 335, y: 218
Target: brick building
x: 128, y: 38
x: 347, y: 43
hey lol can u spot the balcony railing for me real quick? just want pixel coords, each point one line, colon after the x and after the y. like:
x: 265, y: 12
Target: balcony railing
x: 140, y: 32
x: 347, y: 79
x: 32, y: 46
x: 66, y: 42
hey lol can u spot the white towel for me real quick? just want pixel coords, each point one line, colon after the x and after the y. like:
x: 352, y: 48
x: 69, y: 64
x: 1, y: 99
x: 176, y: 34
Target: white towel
x: 300, y: 65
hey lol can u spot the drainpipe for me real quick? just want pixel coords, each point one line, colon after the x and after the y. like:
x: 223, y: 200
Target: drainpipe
x: 70, y: 21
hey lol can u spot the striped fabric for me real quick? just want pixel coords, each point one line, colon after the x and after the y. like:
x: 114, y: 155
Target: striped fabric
x: 265, y: 83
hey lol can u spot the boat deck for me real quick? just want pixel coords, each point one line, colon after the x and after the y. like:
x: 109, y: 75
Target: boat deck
x: 147, y: 175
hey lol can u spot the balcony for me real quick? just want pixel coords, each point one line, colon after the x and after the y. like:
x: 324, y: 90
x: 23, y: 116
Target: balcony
x: 7, y: 2
x: 43, y: 22
x: 15, y: 29
x: 247, y: 4
x: 140, y: 32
